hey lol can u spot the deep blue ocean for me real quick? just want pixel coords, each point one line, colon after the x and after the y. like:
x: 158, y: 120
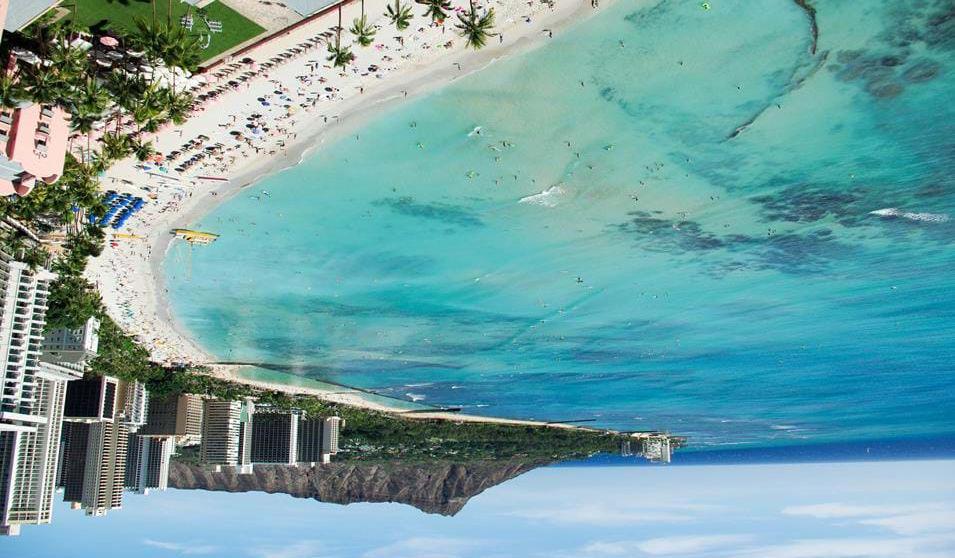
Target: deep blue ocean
x: 667, y: 217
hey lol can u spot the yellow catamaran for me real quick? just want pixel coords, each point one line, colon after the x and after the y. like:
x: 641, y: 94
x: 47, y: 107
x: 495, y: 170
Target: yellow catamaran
x: 195, y: 237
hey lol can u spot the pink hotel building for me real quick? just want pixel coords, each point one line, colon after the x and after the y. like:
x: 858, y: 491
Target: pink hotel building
x: 33, y: 138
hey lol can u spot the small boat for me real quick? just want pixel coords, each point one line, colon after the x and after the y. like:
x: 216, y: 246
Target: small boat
x: 195, y: 237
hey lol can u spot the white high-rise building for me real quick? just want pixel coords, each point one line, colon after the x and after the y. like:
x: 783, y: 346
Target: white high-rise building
x: 331, y: 427
x: 657, y: 448
x: 105, y: 469
x: 29, y: 456
x: 221, y: 422
x: 133, y: 405
x: 75, y: 346
x: 23, y: 302
x: 147, y: 462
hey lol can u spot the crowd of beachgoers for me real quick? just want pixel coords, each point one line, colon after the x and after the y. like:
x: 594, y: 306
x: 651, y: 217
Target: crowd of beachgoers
x: 257, y: 113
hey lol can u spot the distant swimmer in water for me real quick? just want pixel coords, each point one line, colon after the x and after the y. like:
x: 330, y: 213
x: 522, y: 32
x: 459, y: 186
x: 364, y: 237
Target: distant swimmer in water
x: 579, y: 280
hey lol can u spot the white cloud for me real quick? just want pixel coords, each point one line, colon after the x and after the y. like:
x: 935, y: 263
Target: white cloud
x: 855, y: 548
x: 666, y: 546
x: 602, y: 515
x: 300, y: 549
x: 916, y: 523
x: 834, y: 510
x: 928, y: 517
x: 185, y: 549
x: 424, y: 547
x: 606, y: 548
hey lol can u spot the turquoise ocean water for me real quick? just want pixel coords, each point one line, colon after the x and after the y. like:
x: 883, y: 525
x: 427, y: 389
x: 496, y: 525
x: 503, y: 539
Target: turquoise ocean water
x: 704, y: 260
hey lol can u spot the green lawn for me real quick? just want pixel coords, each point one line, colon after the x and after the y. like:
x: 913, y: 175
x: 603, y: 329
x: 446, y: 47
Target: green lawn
x: 121, y: 14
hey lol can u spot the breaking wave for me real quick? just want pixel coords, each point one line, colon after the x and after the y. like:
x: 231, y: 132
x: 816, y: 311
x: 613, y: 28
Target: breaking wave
x: 924, y: 217
x: 547, y: 198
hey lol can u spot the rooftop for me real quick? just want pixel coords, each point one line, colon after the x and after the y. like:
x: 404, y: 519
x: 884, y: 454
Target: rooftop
x: 21, y: 12
x: 309, y: 7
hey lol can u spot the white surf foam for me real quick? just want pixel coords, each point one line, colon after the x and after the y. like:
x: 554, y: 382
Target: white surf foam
x: 548, y: 198
x: 924, y: 217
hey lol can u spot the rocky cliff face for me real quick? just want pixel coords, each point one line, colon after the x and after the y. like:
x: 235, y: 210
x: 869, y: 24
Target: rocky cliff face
x: 439, y: 487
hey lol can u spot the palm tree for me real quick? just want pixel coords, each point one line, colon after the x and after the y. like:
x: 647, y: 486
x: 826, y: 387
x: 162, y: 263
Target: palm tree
x: 124, y: 91
x: 82, y: 121
x: 93, y: 96
x: 437, y: 10
x: 476, y: 28
x: 364, y: 33
x: 179, y: 106
x: 11, y: 93
x: 68, y: 61
x: 340, y: 56
x: 182, y: 51
x: 400, y: 15
x: 87, y: 106
x: 142, y: 149
x: 151, y: 37
x: 43, y: 84
x: 115, y: 147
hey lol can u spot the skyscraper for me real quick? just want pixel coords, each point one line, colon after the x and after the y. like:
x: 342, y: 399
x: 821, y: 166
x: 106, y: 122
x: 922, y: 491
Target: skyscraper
x: 147, y: 462
x: 133, y: 404
x: 92, y: 399
x: 105, y: 468
x: 244, y: 464
x: 318, y: 439
x: 32, y: 400
x: 95, y: 443
x: 76, y: 346
x: 275, y: 436
x: 220, y: 432
x: 72, y: 471
x: 657, y: 448
x: 29, y: 456
x: 331, y: 427
x: 174, y: 415
x: 23, y: 301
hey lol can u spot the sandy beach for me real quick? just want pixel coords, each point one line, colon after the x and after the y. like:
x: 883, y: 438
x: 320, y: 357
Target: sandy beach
x: 283, y: 114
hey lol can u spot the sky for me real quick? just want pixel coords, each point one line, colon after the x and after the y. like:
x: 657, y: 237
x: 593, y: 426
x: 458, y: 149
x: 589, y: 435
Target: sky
x: 898, y: 509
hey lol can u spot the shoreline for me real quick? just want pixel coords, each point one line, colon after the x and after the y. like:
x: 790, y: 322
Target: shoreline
x: 137, y: 300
